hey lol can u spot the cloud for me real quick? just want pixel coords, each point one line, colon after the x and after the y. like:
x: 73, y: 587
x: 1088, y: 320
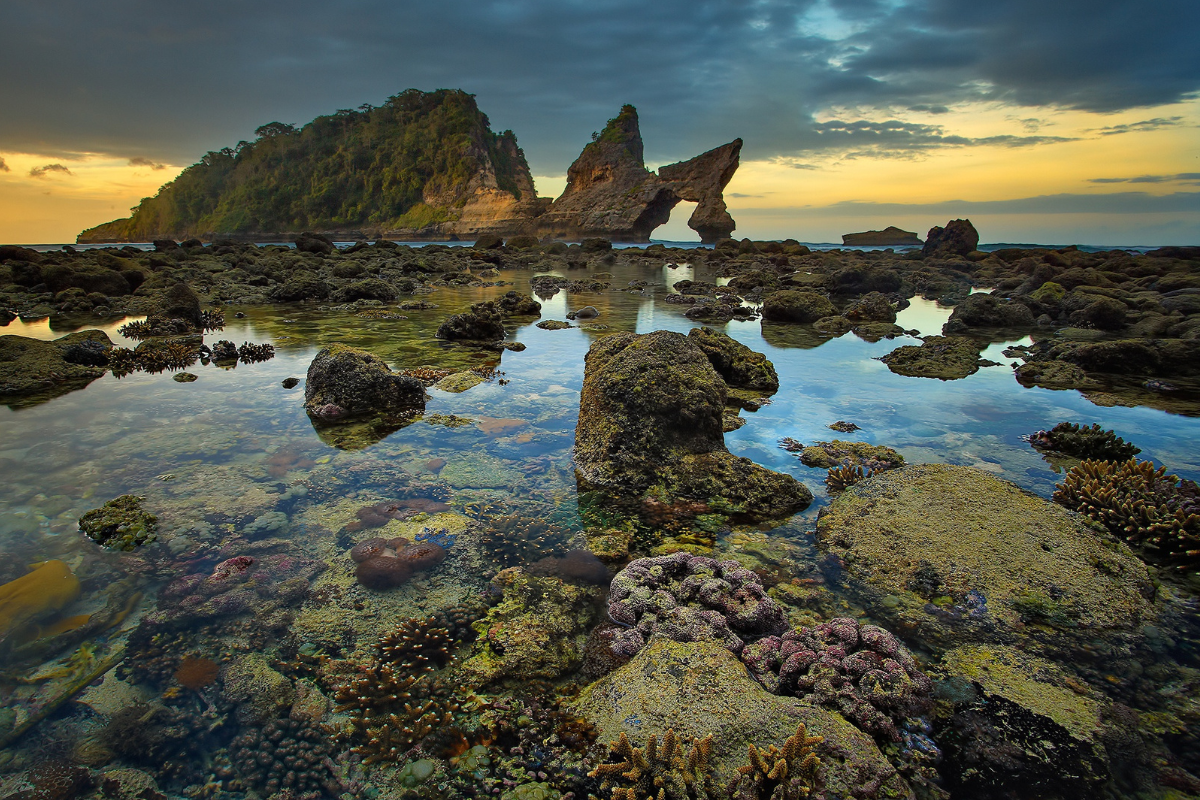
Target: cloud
x: 1144, y: 125
x: 898, y: 139
x: 1113, y: 203
x: 41, y: 172
x: 555, y: 71
x: 1182, y: 177
x: 4, y: 167
x: 139, y: 161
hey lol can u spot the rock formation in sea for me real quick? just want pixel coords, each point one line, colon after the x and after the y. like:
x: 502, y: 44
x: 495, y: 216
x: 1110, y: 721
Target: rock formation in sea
x: 610, y: 192
x: 424, y: 165
x: 888, y: 237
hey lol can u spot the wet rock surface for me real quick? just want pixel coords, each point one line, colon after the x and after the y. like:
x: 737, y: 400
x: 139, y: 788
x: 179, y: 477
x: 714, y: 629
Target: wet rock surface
x: 344, y: 381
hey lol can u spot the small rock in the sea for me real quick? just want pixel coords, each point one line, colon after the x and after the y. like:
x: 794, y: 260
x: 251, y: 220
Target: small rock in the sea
x: 166, y: 476
x: 290, y: 383
x: 184, y: 377
x: 841, y: 426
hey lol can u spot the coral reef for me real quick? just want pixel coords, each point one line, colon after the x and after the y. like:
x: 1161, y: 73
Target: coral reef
x: 120, y: 524
x: 787, y: 773
x: 1157, y: 512
x: 690, y: 598
x: 861, y: 671
x: 516, y: 540
x: 387, y: 563
x: 167, y: 741
x: 1087, y: 442
x: 285, y: 755
x: 654, y: 772
x: 196, y: 672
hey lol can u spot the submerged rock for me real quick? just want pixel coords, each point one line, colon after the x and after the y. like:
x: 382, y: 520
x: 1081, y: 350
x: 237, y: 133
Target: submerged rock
x: 971, y: 557
x: 344, y: 381
x: 651, y: 418
x: 700, y: 688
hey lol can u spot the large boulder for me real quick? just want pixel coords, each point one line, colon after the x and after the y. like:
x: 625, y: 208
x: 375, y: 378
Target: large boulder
x: 308, y: 242
x: 954, y: 554
x: 344, y: 381
x: 700, y: 688
x: 179, y: 302
x: 959, y: 237
x: 988, y: 311
x: 736, y: 363
x: 31, y: 366
x: 650, y: 417
x: 483, y: 322
x: 793, y: 306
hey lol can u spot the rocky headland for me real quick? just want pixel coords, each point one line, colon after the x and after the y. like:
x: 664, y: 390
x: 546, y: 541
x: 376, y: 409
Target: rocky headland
x: 890, y: 236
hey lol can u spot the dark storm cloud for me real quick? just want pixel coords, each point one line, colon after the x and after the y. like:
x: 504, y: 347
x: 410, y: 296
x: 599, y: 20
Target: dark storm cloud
x: 49, y: 169
x: 168, y: 81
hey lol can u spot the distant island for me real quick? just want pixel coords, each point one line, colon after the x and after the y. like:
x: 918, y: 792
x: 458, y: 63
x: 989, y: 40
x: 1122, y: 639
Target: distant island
x: 890, y: 236
x: 424, y: 165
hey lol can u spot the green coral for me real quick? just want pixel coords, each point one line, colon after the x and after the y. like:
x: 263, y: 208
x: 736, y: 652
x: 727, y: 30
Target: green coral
x: 120, y: 524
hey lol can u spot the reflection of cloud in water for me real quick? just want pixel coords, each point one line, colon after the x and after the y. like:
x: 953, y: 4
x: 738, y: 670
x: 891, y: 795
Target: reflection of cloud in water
x: 927, y: 316
x: 49, y: 328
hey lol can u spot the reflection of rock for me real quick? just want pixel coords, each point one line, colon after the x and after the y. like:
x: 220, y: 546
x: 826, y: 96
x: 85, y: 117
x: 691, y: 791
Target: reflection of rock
x: 31, y: 367
x: 650, y: 418
x: 344, y: 381
x: 358, y: 433
x: 610, y: 193
x: 1001, y: 564
x: 945, y: 357
x: 700, y: 688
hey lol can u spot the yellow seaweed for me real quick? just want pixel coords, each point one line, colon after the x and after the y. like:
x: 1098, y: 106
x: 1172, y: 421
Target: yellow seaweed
x: 48, y: 588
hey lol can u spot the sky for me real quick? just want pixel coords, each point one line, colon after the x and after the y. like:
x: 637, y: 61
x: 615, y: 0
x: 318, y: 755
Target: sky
x: 1048, y: 121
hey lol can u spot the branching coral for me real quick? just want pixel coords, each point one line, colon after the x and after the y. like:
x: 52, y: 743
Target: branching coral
x: 841, y: 478
x: 1143, y: 505
x: 515, y: 540
x: 780, y: 774
x: 666, y: 773
x: 1091, y: 442
x: 861, y: 671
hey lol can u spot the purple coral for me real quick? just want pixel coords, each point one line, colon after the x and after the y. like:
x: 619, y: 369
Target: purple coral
x: 862, y: 671
x: 690, y: 598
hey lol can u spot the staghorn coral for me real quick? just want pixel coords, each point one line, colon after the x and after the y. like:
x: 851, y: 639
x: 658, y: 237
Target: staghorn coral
x: 659, y: 773
x: 138, y: 329
x: 780, y: 774
x: 1088, y: 442
x: 690, y: 598
x: 861, y: 671
x: 249, y: 353
x: 1145, y: 506
x: 516, y: 539
x: 212, y: 319
x: 402, y: 698
x: 843, y: 477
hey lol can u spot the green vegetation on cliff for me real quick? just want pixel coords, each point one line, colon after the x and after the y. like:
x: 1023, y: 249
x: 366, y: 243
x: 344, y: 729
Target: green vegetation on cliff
x: 376, y: 167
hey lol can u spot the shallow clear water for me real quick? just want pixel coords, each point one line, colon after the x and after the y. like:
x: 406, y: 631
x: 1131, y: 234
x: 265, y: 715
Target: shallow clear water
x: 235, y: 442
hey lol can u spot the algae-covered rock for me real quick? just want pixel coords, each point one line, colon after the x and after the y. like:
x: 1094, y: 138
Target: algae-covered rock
x: 483, y: 322
x: 537, y: 631
x: 700, y: 688
x: 737, y: 364
x: 839, y: 453
x: 651, y: 417
x: 459, y: 382
x: 261, y: 692
x: 975, y: 558
x: 343, y: 381
x: 1023, y: 730
x: 871, y: 307
x: 945, y: 357
x: 988, y: 311
x: 120, y: 524
x: 1054, y: 375
x: 793, y: 306
x: 29, y: 366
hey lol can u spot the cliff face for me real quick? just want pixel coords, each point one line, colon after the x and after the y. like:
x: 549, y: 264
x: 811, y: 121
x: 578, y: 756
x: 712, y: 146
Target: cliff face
x: 610, y: 192
x: 425, y: 164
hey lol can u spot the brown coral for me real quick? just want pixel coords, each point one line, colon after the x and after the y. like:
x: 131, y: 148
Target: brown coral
x: 196, y: 672
x: 658, y: 773
x: 780, y: 774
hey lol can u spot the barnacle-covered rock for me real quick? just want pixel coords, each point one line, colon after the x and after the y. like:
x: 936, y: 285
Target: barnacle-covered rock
x: 861, y: 671
x: 344, y: 381
x: 483, y: 322
x: 690, y: 598
x: 1156, y: 512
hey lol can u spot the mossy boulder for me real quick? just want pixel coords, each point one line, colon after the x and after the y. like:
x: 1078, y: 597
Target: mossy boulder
x: 988, y: 311
x: 1023, y: 729
x: 516, y: 304
x: 793, y: 306
x: 650, y: 417
x: 736, y: 363
x: 30, y: 366
x: 180, y: 302
x: 871, y: 307
x: 947, y: 358
x: 700, y: 688
x: 344, y: 381
x: 483, y: 322
x: 303, y: 286
x: 120, y: 524
x: 961, y: 555
x: 840, y: 453
x: 368, y: 289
